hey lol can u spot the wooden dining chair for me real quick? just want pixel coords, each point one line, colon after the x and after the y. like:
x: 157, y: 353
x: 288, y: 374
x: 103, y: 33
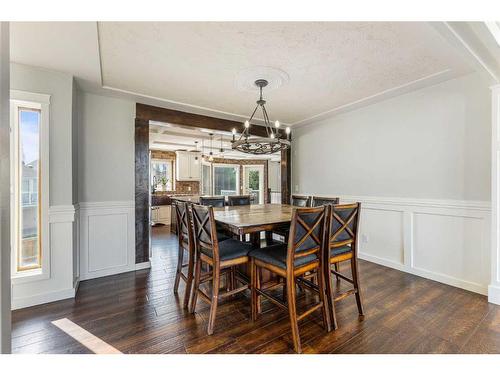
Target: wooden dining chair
x: 342, y: 238
x: 303, y: 254
x: 186, y: 244
x: 217, y: 201
x: 301, y: 201
x: 222, y: 257
x: 238, y: 200
x: 323, y: 201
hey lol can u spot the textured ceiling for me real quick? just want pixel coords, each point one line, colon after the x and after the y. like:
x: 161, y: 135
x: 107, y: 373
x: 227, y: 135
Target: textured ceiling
x: 329, y: 64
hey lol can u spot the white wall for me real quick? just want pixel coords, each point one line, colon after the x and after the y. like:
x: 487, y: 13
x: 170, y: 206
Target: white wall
x: 106, y: 185
x: 420, y: 165
x: 5, y: 316
x: 61, y: 281
x: 105, y: 149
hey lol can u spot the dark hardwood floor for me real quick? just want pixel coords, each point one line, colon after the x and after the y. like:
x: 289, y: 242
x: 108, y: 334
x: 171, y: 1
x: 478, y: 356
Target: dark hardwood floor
x: 138, y: 313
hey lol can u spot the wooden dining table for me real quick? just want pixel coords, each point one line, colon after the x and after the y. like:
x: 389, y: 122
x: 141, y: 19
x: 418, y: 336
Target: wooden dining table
x: 253, y: 219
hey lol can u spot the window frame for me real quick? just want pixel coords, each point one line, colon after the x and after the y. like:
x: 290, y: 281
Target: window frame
x: 37, y: 102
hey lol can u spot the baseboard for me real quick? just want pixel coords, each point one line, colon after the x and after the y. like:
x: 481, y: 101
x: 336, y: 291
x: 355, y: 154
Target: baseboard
x: 444, y: 279
x: 494, y: 294
x: 143, y: 265
x: 40, y: 299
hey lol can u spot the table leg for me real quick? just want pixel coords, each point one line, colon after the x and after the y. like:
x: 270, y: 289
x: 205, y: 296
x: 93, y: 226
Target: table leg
x: 255, y: 239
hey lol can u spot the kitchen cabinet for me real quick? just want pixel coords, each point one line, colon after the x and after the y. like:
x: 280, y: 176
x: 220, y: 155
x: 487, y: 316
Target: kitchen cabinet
x: 187, y: 168
x: 162, y: 214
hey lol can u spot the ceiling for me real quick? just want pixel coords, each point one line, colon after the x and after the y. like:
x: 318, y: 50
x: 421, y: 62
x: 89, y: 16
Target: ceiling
x: 169, y: 137
x: 196, y: 67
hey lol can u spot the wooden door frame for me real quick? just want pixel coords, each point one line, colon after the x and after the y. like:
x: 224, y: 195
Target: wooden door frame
x: 146, y: 113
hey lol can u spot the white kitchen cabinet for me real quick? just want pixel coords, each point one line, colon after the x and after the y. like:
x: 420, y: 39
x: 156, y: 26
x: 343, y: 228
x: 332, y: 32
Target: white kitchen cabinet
x: 187, y: 168
x: 165, y: 214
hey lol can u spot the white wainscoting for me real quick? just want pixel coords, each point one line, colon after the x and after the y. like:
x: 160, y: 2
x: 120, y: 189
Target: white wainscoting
x: 443, y: 240
x: 107, y: 239
x: 60, y: 282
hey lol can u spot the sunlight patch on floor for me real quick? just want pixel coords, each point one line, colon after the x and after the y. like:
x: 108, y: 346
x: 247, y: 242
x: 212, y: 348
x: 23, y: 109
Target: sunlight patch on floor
x: 84, y: 337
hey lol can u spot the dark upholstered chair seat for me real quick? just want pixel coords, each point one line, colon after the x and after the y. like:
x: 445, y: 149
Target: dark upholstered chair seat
x: 276, y: 255
x: 222, y: 237
x: 230, y: 249
x: 340, y: 250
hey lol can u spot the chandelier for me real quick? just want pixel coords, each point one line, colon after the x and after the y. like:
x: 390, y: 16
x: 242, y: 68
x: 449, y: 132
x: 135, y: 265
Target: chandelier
x: 274, y: 141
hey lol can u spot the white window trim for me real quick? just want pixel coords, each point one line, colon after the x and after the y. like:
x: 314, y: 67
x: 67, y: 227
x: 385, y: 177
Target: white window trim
x: 237, y: 166
x: 211, y: 185
x: 41, y: 102
x: 261, y: 169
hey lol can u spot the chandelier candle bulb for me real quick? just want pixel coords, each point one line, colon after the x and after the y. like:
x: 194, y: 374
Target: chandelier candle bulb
x: 247, y: 124
x: 277, y: 124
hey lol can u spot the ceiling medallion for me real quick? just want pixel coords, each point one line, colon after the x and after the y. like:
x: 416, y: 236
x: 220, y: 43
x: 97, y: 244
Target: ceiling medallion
x: 261, y: 145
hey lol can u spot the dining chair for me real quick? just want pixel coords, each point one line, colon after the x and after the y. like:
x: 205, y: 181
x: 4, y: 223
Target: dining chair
x: 186, y: 244
x: 215, y: 201
x: 302, y: 254
x: 222, y: 257
x: 238, y: 200
x: 342, y: 238
x: 301, y: 201
x: 323, y: 201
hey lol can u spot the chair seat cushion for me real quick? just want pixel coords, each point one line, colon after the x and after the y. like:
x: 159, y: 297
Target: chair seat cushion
x: 222, y: 237
x: 230, y: 249
x: 340, y: 250
x: 276, y: 255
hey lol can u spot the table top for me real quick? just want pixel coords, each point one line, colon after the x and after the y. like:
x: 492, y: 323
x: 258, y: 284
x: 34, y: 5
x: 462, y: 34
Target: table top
x: 253, y: 218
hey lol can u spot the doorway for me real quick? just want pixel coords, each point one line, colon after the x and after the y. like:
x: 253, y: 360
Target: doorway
x: 253, y: 182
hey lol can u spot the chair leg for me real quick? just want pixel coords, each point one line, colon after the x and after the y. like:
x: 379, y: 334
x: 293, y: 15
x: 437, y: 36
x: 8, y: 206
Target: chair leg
x: 355, y: 279
x: 233, y: 277
x: 284, y: 293
x: 179, y: 269
x: 292, y: 311
x: 253, y: 287
x: 215, y: 298
x: 196, y: 286
x: 336, y: 266
x: 189, y: 281
x: 323, y: 298
x: 330, y: 295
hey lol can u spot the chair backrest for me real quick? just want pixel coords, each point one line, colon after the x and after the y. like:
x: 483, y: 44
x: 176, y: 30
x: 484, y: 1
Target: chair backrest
x: 213, y: 201
x: 301, y: 201
x: 238, y: 200
x: 323, y: 201
x: 307, y: 234
x: 204, y: 231
x: 343, y: 225
x: 184, y: 224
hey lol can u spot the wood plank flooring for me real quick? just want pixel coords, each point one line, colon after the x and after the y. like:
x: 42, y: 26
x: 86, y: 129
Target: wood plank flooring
x: 137, y: 312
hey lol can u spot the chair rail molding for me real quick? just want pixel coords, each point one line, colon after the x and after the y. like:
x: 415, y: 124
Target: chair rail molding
x: 494, y: 287
x: 107, y: 239
x: 443, y: 240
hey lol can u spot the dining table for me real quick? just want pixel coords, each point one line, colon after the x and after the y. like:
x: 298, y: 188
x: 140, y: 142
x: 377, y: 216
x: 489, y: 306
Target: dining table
x: 254, y: 219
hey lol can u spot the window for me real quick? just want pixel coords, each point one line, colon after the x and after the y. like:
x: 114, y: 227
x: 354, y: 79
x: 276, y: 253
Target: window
x: 29, y: 181
x: 206, y: 179
x: 162, y: 174
x: 226, y: 179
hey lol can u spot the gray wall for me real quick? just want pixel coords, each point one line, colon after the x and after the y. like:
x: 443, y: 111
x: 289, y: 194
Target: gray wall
x: 105, y: 149
x: 60, y: 87
x: 433, y: 143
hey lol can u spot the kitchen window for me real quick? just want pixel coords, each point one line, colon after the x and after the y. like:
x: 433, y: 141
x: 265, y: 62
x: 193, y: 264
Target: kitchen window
x: 226, y: 179
x: 162, y: 172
